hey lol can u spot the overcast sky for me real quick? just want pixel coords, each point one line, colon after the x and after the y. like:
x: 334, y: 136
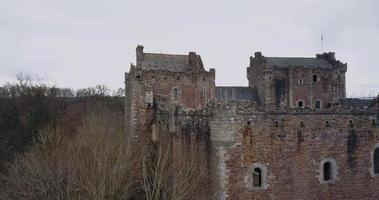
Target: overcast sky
x: 80, y: 43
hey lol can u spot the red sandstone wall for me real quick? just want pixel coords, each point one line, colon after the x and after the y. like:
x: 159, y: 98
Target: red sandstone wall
x: 293, y: 159
x: 195, y: 89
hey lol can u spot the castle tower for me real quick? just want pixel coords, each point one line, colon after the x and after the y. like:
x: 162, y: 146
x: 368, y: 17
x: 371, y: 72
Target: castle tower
x: 166, y: 82
x: 313, y: 83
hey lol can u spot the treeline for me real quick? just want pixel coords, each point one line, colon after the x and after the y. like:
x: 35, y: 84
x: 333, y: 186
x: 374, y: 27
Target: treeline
x: 27, y: 106
x: 24, y: 85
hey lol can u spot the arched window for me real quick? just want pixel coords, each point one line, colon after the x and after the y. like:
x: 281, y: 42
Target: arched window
x: 328, y: 171
x: 317, y: 104
x: 257, y: 177
x: 300, y: 104
x: 376, y: 161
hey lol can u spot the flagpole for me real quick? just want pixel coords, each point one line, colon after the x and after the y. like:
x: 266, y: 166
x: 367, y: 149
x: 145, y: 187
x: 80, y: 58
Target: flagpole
x: 322, y: 42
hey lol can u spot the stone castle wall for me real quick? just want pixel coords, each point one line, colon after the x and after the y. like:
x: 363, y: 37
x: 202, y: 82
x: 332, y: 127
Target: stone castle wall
x: 238, y: 129
x: 291, y: 147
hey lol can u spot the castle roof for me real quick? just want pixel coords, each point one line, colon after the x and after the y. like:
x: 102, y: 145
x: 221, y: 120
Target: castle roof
x: 169, y: 62
x: 297, y: 62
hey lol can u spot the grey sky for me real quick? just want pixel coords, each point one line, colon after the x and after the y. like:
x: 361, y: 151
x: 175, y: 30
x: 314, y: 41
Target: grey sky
x: 80, y: 43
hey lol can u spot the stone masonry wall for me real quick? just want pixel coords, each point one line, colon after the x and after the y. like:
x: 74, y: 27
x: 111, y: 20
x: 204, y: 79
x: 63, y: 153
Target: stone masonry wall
x: 291, y: 147
x: 195, y: 89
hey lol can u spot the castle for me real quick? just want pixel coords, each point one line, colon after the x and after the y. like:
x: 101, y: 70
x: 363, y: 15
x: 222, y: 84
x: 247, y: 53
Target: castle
x: 290, y: 134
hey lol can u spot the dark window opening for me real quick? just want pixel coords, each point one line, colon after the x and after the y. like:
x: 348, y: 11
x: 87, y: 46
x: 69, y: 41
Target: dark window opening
x: 302, y: 124
x: 317, y: 104
x: 276, y: 123
x: 351, y: 124
x: 327, y: 171
x: 327, y: 124
x: 257, y: 177
x: 177, y: 78
x: 300, y: 81
x: 300, y: 104
x: 175, y: 93
x: 315, y: 78
x: 376, y: 161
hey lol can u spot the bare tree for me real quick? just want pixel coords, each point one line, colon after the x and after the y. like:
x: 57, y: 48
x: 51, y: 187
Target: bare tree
x: 102, y: 90
x: 120, y: 92
x: 95, y: 162
x: 174, y: 171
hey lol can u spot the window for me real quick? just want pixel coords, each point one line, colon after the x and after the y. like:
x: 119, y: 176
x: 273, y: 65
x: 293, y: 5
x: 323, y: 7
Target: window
x: 300, y: 104
x: 300, y: 81
x: 257, y: 177
x: 328, y: 171
x: 175, y: 93
x: 315, y: 78
x: 351, y: 123
x: 257, y: 174
x: 376, y: 161
x: 317, y: 104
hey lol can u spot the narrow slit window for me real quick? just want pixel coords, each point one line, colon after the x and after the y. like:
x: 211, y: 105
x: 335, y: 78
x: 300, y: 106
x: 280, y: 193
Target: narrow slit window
x: 317, y: 104
x: 257, y: 177
x: 175, y: 93
x: 300, y: 81
x: 327, y: 171
x: 315, y: 78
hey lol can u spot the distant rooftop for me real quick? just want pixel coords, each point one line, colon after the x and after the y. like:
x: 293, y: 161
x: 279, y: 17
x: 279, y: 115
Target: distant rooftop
x: 176, y: 63
x: 296, y: 62
x: 324, y: 61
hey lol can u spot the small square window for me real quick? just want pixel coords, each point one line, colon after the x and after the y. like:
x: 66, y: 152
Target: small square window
x: 300, y: 104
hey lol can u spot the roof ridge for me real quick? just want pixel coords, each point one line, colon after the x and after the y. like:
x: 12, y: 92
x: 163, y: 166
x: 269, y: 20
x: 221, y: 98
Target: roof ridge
x: 166, y: 54
x: 296, y: 57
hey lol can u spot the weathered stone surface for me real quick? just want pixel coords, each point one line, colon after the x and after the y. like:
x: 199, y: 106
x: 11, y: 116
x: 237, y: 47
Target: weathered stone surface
x: 261, y: 126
